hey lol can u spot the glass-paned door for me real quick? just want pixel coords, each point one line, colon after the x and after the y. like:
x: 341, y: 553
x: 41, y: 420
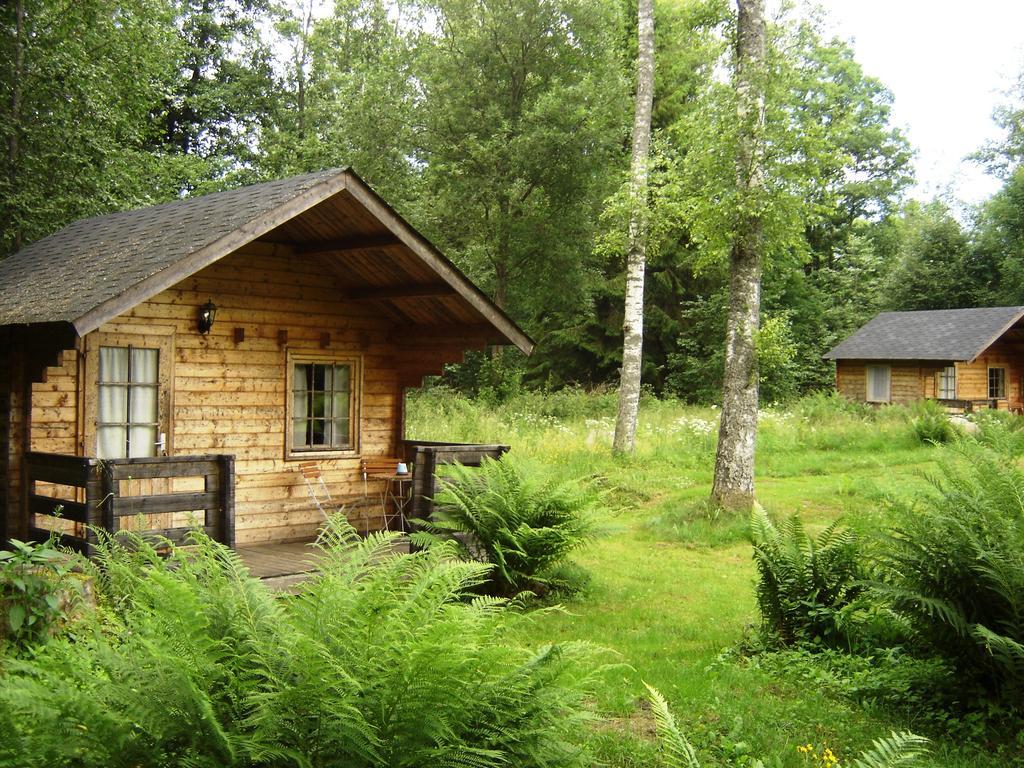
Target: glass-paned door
x: 128, y: 412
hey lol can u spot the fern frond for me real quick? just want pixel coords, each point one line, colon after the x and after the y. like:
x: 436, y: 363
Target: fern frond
x: 898, y: 750
x: 677, y: 752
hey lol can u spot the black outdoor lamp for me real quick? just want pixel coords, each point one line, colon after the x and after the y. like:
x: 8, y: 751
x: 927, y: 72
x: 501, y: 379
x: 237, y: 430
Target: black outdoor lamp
x: 207, y: 314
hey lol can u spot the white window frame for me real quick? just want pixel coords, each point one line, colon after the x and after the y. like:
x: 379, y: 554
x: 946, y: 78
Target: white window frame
x: 943, y: 378
x: 868, y: 378
x: 355, y: 363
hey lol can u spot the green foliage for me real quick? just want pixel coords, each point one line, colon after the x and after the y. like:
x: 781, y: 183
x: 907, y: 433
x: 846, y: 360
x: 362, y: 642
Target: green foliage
x: 805, y: 586
x: 379, y: 660
x: 933, y: 268
x: 954, y: 566
x: 34, y: 590
x: 931, y: 423
x: 521, y: 525
x: 898, y: 750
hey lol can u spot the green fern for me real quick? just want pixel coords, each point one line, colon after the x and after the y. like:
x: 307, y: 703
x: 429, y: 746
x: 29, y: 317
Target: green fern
x: 521, y: 526
x: 804, y: 584
x: 676, y: 750
x: 898, y: 750
x: 954, y: 566
x: 379, y: 660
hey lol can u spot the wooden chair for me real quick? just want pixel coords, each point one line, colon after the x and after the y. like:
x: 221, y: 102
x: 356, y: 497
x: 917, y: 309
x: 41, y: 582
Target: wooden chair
x: 318, y: 491
x: 393, y: 495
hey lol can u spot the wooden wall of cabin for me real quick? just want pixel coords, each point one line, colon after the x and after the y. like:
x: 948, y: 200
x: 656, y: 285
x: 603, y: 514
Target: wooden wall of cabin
x: 908, y: 382
x: 229, y: 396
x: 972, y: 378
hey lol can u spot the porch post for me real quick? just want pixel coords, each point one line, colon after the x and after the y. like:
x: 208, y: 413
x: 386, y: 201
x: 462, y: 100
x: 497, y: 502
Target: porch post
x: 15, y: 412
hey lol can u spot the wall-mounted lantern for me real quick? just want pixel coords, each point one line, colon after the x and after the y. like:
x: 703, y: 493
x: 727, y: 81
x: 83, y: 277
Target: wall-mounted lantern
x: 207, y: 314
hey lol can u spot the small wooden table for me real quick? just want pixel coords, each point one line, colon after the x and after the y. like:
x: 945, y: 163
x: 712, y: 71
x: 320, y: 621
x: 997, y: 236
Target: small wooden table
x: 396, y: 493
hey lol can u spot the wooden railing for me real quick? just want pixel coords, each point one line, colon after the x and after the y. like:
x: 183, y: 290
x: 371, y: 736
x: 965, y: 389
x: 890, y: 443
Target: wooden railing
x: 426, y: 456
x: 103, y: 496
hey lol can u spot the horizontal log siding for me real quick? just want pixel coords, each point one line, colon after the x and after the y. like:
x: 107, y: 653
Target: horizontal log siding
x: 230, y: 398
x: 908, y: 382
x: 55, y: 408
x: 972, y: 378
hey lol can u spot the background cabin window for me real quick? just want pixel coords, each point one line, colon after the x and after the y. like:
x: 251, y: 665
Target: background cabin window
x: 878, y: 383
x: 947, y: 383
x: 996, y: 383
x: 128, y: 421
x: 322, y: 400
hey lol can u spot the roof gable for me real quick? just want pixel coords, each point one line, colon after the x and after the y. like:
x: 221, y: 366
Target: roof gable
x: 941, y: 334
x: 95, y: 269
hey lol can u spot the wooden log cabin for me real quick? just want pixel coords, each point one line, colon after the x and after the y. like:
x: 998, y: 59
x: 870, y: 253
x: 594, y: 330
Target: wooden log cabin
x: 963, y: 358
x: 181, y: 361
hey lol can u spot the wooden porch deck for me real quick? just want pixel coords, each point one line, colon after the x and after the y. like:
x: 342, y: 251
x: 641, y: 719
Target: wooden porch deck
x: 285, y: 566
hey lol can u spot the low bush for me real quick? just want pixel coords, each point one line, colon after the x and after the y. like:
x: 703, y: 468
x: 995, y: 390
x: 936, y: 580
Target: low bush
x: 954, y: 566
x: 931, y: 423
x: 523, y: 526
x: 378, y: 660
x: 34, y: 591
x: 806, y: 587
x: 824, y: 407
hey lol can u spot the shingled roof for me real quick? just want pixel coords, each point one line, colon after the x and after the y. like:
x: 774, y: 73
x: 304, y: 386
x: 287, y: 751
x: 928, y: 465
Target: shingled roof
x: 940, y: 334
x: 93, y: 269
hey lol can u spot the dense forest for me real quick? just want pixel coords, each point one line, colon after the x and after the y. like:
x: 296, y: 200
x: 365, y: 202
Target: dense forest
x: 502, y: 131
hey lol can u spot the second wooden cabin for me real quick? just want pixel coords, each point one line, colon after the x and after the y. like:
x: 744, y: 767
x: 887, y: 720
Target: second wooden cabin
x: 963, y: 358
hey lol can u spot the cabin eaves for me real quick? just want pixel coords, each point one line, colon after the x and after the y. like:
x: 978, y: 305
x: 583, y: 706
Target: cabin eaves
x: 94, y: 269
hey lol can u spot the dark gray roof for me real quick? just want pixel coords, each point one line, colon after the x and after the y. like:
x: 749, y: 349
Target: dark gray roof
x: 67, y: 275
x: 939, y: 334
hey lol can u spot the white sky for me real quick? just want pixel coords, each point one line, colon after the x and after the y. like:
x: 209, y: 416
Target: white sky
x: 948, y: 64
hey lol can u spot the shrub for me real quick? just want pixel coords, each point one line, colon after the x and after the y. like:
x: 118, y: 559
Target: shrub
x: 1000, y: 430
x: 824, y: 407
x: 379, y: 660
x: 931, y: 423
x: 954, y: 565
x: 524, y: 527
x: 33, y: 590
x: 805, y: 586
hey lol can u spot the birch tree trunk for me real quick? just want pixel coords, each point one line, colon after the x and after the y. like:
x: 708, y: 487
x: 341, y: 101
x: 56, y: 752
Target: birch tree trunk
x: 734, y: 461
x: 633, y: 319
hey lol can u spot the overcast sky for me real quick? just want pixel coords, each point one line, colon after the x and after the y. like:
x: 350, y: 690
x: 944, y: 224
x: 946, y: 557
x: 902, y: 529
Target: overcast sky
x: 948, y: 64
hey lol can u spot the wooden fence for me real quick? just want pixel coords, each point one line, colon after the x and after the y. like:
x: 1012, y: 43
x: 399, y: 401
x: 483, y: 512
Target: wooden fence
x: 95, y: 493
x: 426, y: 457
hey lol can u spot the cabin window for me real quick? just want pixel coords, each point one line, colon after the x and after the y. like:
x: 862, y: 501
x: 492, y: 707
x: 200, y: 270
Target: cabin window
x: 128, y: 417
x: 323, y: 405
x: 878, y: 381
x: 997, y: 383
x: 947, y: 383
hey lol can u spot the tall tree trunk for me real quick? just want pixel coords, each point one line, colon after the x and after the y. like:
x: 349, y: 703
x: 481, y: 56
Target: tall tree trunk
x: 633, y: 319
x: 734, y: 461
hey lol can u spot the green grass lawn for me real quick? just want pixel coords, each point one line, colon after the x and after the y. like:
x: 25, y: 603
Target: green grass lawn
x: 673, y: 585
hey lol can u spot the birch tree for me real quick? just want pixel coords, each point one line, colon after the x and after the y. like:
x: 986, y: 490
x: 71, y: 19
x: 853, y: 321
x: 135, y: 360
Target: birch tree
x: 734, y: 460
x: 633, y: 319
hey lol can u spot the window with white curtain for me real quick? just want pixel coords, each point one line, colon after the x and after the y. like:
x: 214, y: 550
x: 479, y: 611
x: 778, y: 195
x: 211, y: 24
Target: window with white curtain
x: 323, y: 399
x: 947, y: 383
x: 128, y: 415
x: 879, y: 378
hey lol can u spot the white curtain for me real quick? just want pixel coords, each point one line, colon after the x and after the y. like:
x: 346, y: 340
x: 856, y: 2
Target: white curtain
x: 300, y: 405
x: 128, y: 402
